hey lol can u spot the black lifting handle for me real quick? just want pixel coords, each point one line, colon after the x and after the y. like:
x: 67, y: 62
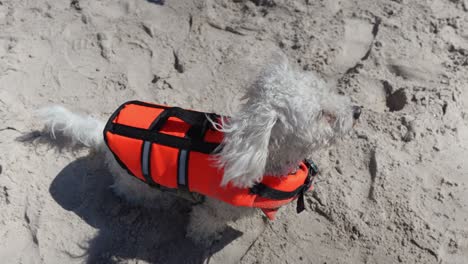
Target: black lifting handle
x: 190, y: 117
x: 198, y: 122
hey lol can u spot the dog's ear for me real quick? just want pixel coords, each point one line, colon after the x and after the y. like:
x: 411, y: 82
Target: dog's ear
x: 245, y: 145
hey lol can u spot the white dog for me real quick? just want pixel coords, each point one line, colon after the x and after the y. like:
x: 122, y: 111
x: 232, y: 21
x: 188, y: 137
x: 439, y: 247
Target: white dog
x: 287, y: 115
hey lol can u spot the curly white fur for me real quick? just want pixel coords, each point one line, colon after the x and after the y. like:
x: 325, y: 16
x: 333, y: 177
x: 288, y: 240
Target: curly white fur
x: 287, y: 115
x: 80, y: 129
x: 281, y: 122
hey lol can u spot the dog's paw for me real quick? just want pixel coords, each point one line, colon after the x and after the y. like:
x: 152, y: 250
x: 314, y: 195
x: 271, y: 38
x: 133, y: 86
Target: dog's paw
x: 204, y: 229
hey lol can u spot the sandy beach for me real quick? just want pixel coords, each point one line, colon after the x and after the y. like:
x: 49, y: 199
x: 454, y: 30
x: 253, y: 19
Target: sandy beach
x: 394, y: 191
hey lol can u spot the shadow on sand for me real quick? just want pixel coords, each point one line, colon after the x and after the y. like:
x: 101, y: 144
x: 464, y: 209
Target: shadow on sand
x: 125, y: 231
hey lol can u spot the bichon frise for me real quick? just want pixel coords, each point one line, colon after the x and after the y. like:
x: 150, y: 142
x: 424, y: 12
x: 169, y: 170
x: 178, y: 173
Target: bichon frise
x: 286, y: 115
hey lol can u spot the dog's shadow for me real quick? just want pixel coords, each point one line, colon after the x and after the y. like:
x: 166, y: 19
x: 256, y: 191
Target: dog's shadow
x: 125, y: 231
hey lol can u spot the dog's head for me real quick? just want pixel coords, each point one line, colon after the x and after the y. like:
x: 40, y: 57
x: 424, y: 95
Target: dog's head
x: 287, y: 115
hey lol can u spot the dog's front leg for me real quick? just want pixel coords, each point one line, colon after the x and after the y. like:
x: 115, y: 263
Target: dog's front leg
x: 209, y: 219
x: 205, y: 225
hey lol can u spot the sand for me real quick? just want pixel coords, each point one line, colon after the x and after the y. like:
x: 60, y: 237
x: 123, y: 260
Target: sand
x: 395, y: 190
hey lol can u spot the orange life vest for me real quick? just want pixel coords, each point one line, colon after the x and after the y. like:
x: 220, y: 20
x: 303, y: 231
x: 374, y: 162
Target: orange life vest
x: 171, y: 147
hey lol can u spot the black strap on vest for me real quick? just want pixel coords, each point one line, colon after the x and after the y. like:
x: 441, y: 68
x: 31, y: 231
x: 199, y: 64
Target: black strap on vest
x: 191, y: 118
x: 163, y: 139
x: 194, y: 141
x: 150, y: 136
x: 199, y: 124
x: 146, y: 154
x: 270, y: 193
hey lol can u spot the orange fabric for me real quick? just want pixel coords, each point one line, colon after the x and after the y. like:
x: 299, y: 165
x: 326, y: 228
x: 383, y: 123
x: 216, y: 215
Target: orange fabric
x: 270, y: 213
x: 124, y: 148
x: 203, y: 176
x: 137, y: 116
x: 164, y: 167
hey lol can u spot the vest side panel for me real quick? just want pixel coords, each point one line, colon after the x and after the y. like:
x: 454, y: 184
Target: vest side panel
x: 128, y: 150
x: 289, y: 182
x: 205, y: 178
x: 137, y: 116
x: 163, y: 165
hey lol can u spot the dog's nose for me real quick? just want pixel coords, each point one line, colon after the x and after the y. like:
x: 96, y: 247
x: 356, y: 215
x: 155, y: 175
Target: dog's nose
x: 356, y: 112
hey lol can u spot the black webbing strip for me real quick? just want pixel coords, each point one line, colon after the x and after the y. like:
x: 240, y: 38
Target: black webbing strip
x: 159, y: 120
x: 146, y: 153
x: 270, y: 193
x: 189, y: 117
x: 163, y: 139
x: 196, y: 133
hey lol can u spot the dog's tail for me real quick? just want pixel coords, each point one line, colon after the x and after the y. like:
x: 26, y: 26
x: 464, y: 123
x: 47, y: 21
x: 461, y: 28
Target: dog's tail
x: 79, y: 129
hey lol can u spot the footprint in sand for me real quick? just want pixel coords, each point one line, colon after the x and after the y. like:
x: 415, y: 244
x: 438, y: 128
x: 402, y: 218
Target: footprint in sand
x: 3, y: 13
x: 416, y: 70
x: 358, y: 37
x: 85, y: 51
x: 7, y: 47
x: 372, y: 93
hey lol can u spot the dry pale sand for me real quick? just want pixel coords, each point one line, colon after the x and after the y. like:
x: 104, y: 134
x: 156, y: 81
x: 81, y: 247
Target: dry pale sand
x: 394, y: 191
